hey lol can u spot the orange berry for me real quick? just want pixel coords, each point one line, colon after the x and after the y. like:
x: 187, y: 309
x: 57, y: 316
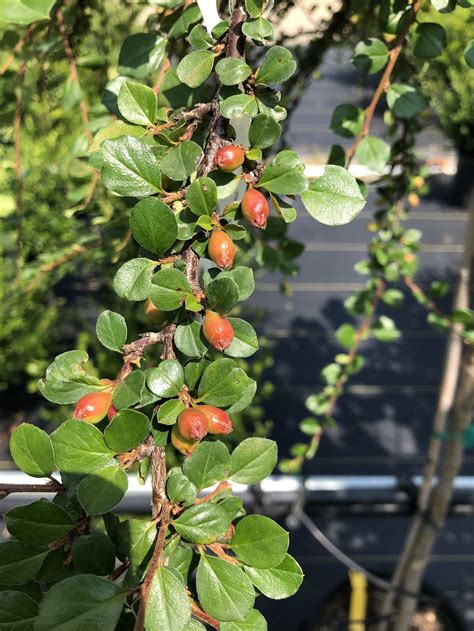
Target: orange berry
x: 221, y: 249
x: 186, y: 447
x: 93, y: 407
x: 255, y: 208
x: 219, y: 421
x: 217, y: 330
x: 192, y: 424
x: 229, y: 158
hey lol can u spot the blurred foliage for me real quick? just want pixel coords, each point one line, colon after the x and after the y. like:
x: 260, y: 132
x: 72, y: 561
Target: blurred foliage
x: 450, y: 81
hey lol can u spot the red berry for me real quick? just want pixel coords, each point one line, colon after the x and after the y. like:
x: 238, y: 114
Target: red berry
x: 217, y: 330
x: 93, y: 407
x: 186, y: 447
x: 219, y: 421
x: 221, y: 249
x: 230, y: 158
x: 255, y: 208
x: 192, y: 424
x: 111, y: 412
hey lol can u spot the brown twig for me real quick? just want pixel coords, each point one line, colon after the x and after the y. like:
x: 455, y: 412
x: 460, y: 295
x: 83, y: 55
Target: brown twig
x: 359, y: 337
x: 384, y: 82
x: 204, y: 617
x: 50, y: 487
x: 220, y: 488
x: 16, y: 49
x: 418, y: 291
x: 73, y: 71
x: 218, y: 551
x: 117, y: 573
x: 156, y: 561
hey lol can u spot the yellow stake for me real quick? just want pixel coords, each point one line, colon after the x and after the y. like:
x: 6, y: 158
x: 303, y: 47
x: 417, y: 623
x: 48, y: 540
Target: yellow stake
x: 358, y: 604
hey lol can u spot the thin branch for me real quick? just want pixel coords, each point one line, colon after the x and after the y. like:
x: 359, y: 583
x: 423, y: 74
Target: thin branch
x: 220, y: 488
x: 73, y: 71
x: 16, y: 49
x: 204, y: 617
x: 384, y: 82
x: 156, y: 561
x: 49, y: 487
x: 359, y: 337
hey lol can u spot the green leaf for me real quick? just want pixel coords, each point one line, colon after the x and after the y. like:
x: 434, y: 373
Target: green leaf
x: 203, y: 523
x: 180, y: 489
x: 181, y: 161
x: 444, y: 6
x: 93, y: 554
x: 222, y: 383
x: 141, y: 54
x: 54, y: 566
x: 208, y: 464
x: 284, y: 175
x: 429, y: 40
x: 167, y: 379
x: 334, y: 198
x: 245, y: 342
x: 127, y: 430
x: 80, y: 448
x: 18, y: 563
x: 261, y: 30
x: 259, y: 541
x: 32, y: 450
x: 111, y: 330
x: 168, y: 605
x: 201, y: 196
x: 133, y: 279
x: 17, y: 611
x: 232, y: 71
x: 253, y: 622
x: 469, y: 53
x: 222, y: 294
x: 100, y: 491
x: 169, y: 289
x: 130, y: 167
x: 130, y: 390
x: 226, y: 183
x: 25, y: 11
x: 264, y: 131
x: 254, y: 7
x: 278, y: 582
x: 224, y: 590
x: 384, y: 329
x: 39, y: 523
x: 244, y: 278
x: 285, y: 210
x: 346, y: 336
x: 370, y: 55
x: 189, y: 339
x: 278, y: 65
x: 238, y: 106
x: 245, y: 399
x: 200, y: 38
x: 169, y: 411
x: 81, y: 602
x: 347, y: 120
x: 193, y: 69
x: 154, y: 225
x: 406, y: 101
x: 135, y: 538
x: 253, y: 460
x: 373, y: 153
x: 137, y: 103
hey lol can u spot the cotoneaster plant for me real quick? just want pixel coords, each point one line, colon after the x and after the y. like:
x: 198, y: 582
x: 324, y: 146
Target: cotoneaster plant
x: 193, y: 190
